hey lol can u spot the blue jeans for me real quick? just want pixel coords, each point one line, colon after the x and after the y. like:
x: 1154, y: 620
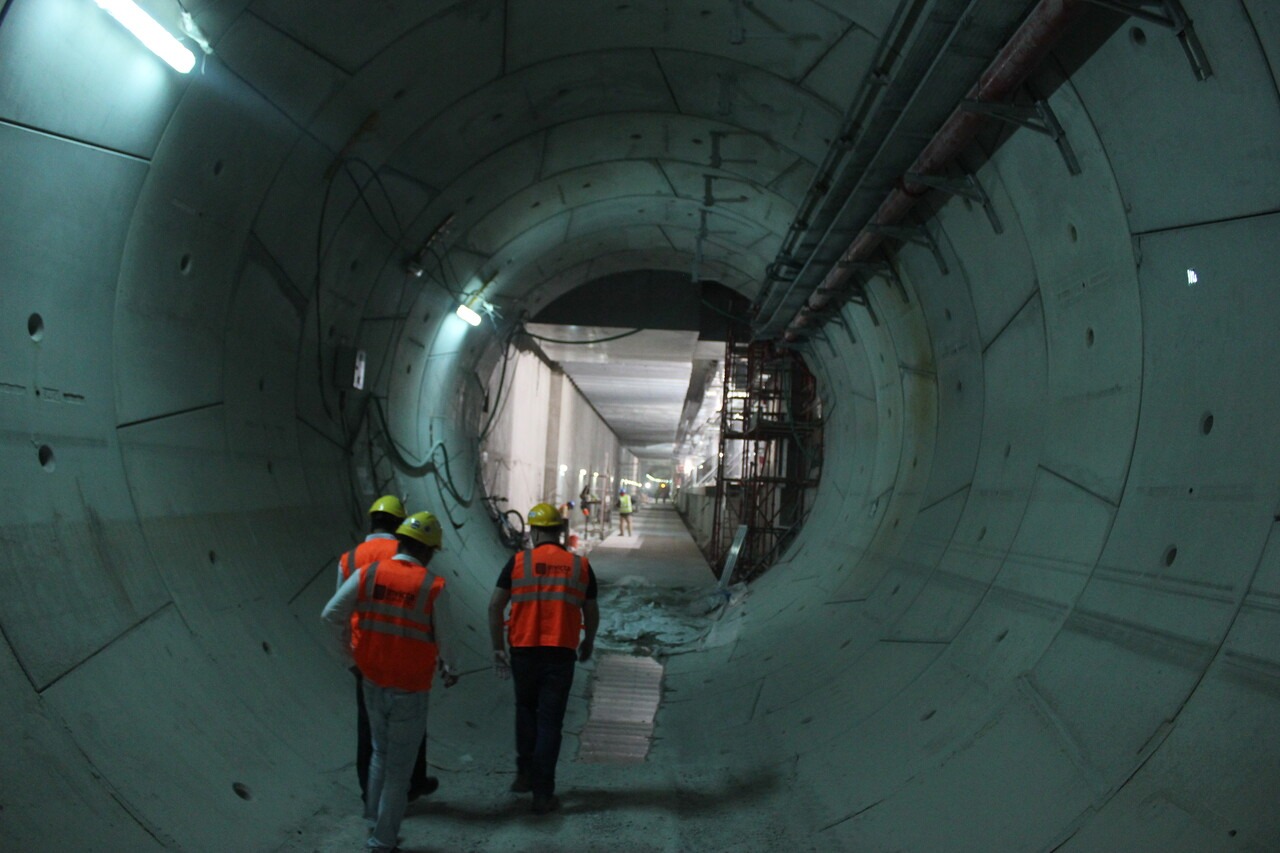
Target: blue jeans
x: 397, y: 723
x: 542, y: 680
x: 364, y: 746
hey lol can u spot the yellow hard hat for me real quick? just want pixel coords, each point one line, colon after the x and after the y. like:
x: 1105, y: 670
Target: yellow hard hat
x: 423, y: 527
x: 544, y: 515
x: 390, y: 504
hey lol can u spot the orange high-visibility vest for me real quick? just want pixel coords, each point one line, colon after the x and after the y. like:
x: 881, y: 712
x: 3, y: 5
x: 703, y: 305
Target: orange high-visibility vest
x: 396, y: 645
x: 548, y: 590
x: 367, y: 552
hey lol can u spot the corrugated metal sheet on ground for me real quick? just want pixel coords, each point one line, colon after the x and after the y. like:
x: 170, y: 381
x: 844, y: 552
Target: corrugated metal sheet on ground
x: 625, y: 694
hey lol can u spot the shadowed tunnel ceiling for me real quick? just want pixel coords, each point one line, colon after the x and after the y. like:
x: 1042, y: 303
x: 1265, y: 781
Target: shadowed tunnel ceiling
x: 1036, y: 603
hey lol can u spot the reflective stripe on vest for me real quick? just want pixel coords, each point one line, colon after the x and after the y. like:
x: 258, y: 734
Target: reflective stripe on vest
x: 350, y: 565
x: 533, y: 586
x: 399, y: 629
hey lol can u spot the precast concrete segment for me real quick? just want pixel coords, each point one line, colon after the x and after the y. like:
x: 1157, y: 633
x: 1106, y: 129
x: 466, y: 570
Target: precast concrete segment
x: 1034, y: 605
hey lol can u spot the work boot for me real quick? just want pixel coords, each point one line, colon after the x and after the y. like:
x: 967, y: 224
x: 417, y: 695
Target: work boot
x: 523, y: 784
x: 428, y: 787
x: 545, y: 804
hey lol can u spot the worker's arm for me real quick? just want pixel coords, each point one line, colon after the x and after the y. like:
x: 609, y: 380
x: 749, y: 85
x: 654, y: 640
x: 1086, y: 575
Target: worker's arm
x: 590, y: 623
x: 497, y: 612
x: 339, y: 609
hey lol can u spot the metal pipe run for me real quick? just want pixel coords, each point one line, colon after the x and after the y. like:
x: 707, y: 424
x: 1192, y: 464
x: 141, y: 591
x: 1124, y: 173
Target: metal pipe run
x: 1020, y: 56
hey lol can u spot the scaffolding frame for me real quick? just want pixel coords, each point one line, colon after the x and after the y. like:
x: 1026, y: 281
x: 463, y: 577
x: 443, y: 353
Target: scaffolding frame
x: 770, y: 453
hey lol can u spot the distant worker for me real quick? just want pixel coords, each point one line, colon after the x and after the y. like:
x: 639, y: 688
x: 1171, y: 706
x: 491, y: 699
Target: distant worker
x: 397, y: 650
x: 381, y: 544
x: 552, y: 593
x: 624, y: 513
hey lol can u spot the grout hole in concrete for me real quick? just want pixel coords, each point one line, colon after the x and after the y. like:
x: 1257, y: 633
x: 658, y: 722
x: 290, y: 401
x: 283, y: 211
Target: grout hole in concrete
x: 982, y: 534
x: 45, y: 455
x: 1073, y: 233
x: 217, y: 168
x: 1206, y: 423
x: 1000, y: 637
x: 1138, y: 36
x: 242, y: 790
x: 184, y: 264
x: 266, y: 647
x: 1088, y: 337
x: 35, y: 327
x: 213, y: 557
x: 1008, y: 448
x: 1170, y: 554
x: 895, y: 589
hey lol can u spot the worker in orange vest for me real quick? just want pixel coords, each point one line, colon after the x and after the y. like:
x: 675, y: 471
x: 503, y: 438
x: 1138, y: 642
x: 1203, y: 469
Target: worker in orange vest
x: 397, y: 649
x: 554, y: 617
x: 385, y: 516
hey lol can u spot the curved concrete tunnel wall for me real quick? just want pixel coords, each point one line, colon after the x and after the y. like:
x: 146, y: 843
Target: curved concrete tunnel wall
x: 984, y: 637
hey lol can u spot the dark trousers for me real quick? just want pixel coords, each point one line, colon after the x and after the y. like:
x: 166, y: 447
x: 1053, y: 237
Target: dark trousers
x: 542, y: 679
x: 364, y: 746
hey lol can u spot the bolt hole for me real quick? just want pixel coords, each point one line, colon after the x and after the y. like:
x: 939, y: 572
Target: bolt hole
x: 45, y: 455
x: 184, y: 264
x: 1231, y: 832
x: 1137, y: 36
x: 262, y: 384
x: 397, y: 94
x: 915, y: 460
x: 1088, y: 337
x: 1000, y: 637
x: 213, y: 557
x: 947, y: 313
x: 697, y: 141
x: 536, y: 204
x: 1170, y: 554
x: 497, y: 116
x: 1206, y: 423
x: 959, y: 386
x: 355, y: 265
x: 408, y: 368
x: 636, y: 136
x: 895, y: 522
x: 894, y: 591
x: 982, y: 534
x: 270, y: 468
x: 928, y: 715
x: 1073, y: 233
x: 333, y: 330
x: 266, y: 647
x: 217, y: 168
x: 35, y: 327
x: 1008, y: 448
x: 242, y: 790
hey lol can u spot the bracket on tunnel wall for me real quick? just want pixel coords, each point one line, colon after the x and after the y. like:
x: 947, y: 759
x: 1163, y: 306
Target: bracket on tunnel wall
x: 881, y: 268
x: 1037, y: 116
x: 917, y: 234
x: 966, y: 187
x: 1172, y: 16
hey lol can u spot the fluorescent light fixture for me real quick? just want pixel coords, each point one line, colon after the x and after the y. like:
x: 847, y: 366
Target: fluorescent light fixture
x: 157, y: 39
x: 466, y: 313
x: 1192, y: 277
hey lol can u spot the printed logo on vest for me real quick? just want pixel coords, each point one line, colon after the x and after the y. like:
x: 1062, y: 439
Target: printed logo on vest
x: 404, y: 599
x: 542, y: 570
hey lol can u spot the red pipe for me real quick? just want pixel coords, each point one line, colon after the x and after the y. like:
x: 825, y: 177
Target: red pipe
x: 1020, y: 56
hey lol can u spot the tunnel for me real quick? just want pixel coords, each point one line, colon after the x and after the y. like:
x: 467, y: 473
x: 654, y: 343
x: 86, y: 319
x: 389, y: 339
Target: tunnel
x: 1035, y: 603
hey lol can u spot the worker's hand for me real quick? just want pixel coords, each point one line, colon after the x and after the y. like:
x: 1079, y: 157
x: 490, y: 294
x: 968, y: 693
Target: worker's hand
x: 447, y: 675
x: 501, y: 664
x: 585, y: 648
